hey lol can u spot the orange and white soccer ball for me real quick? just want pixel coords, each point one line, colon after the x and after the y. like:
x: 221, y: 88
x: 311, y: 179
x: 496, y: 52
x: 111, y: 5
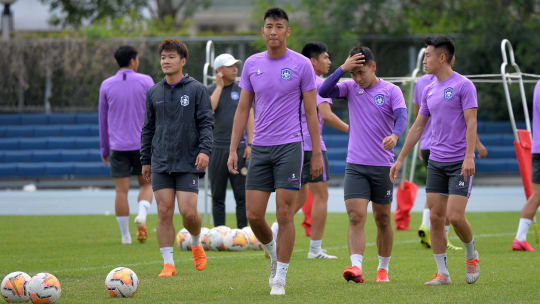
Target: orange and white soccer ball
x: 122, y: 282
x: 253, y: 242
x: 236, y: 240
x: 204, y: 237
x: 44, y: 288
x: 14, y: 287
x: 183, y: 239
x: 216, y: 237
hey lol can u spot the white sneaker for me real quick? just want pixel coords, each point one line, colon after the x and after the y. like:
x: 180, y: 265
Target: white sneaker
x: 273, y: 270
x: 139, y: 221
x: 126, y: 240
x: 278, y: 288
x: 472, y: 272
x: 321, y: 255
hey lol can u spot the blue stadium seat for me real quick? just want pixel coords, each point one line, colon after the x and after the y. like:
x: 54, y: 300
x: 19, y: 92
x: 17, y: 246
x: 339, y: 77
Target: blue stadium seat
x: 43, y: 156
x: 62, y: 119
x: 87, y: 118
x: 337, y: 167
x: 335, y: 141
x: 337, y: 154
x: 47, y: 131
x: 9, y: 144
x: 497, y: 166
x: 87, y: 143
x: 8, y: 170
x: 74, y: 156
x: 33, y: 143
x: 94, y: 130
x: 501, y: 152
x: 19, y: 131
x: 59, y: 169
x: 34, y: 119
x: 94, y: 155
x: 30, y: 169
x: 75, y: 130
x: 91, y: 169
x: 18, y: 156
x: 10, y: 119
x: 61, y: 143
x: 497, y: 139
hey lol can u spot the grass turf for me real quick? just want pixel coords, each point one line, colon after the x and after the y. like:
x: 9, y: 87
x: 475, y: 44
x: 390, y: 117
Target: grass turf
x: 81, y: 250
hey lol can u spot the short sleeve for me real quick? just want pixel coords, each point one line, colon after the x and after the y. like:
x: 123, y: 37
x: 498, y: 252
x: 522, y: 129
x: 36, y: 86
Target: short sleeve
x: 307, y: 79
x: 343, y: 89
x: 398, y: 101
x: 468, y: 96
x: 424, y: 110
x: 418, y: 93
x: 245, y: 82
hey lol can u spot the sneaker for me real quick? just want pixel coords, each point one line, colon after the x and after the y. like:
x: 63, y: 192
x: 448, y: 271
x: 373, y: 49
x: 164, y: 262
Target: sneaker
x: 353, y: 273
x: 168, y: 271
x: 142, y: 234
x: 277, y: 287
x: 273, y: 270
x: 126, y: 240
x: 472, y: 269
x: 321, y: 255
x: 439, y: 279
x: 423, y: 233
x: 451, y: 246
x: 382, y: 275
x: 521, y: 246
x: 199, y: 257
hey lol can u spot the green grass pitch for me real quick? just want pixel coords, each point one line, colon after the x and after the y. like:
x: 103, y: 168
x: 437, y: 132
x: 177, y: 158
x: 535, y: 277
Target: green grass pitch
x: 81, y: 250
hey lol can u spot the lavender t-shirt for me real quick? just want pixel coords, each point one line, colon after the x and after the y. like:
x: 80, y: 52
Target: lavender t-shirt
x: 445, y: 101
x: 371, y: 116
x: 308, y: 146
x: 278, y: 84
x: 536, y: 119
x: 421, y: 84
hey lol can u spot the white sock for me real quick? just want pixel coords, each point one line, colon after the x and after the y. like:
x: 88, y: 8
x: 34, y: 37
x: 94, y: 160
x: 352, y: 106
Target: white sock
x: 271, y: 250
x: 143, y: 209
x: 425, y: 218
x: 470, y: 250
x: 447, y: 229
x: 356, y: 260
x: 275, y: 229
x: 523, y: 229
x: 167, y: 254
x: 123, y: 223
x: 383, y: 263
x: 440, y: 259
x: 281, y: 273
x: 315, y: 246
x: 195, y: 240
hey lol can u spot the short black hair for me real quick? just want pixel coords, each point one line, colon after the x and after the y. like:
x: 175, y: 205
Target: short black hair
x: 364, y: 50
x: 443, y: 43
x: 314, y: 49
x: 124, y: 54
x: 275, y: 13
x: 174, y: 45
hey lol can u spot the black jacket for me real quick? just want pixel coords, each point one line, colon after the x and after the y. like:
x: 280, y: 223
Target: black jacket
x: 177, y: 127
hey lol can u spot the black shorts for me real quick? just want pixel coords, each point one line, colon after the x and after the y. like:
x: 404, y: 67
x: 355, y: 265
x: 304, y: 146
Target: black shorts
x: 368, y: 182
x: 272, y: 167
x: 186, y: 182
x: 125, y: 163
x: 446, y: 178
x: 306, y: 175
x: 536, y: 168
x: 425, y: 156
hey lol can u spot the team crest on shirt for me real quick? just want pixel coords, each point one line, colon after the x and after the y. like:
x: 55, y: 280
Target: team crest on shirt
x: 448, y: 93
x: 286, y: 74
x: 379, y: 99
x: 235, y: 95
x: 184, y: 100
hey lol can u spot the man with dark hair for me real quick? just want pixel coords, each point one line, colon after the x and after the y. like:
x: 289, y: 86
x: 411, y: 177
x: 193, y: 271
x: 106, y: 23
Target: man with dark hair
x: 176, y: 144
x: 277, y: 79
x: 450, y: 103
x: 121, y: 115
x: 378, y: 116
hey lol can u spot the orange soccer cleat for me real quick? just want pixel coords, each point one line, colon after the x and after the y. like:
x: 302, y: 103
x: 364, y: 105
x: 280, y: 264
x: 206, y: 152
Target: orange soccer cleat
x: 199, y: 257
x: 521, y: 246
x: 382, y: 275
x: 168, y: 271
x: 353, y: 273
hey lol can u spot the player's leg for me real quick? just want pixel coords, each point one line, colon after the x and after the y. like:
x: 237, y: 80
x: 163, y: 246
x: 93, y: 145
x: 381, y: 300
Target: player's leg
x: 319, y: 191
x: 526, y: 219
x: 449, y: 244
x: 145, y: 195
x: 218, y: 175
x: 121, y: 207
x: 238, y: 184
x: 164, y: 187
x: 423, y: 230
x: 303, y: 195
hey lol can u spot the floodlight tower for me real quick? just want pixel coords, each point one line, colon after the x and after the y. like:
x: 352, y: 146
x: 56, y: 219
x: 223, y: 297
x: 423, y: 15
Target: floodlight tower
x: 7, y: 19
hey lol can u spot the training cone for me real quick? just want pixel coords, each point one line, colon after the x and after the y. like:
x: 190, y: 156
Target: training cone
x: 524, y: 157
x: 406, y: 195
x: 306, y: 209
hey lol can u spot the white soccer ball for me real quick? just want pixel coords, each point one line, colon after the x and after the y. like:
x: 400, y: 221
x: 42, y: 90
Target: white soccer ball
x: 216, y: 236
x: 122, y: 282
x: 204, y: 237
x: 253, y: 242
x: 236, y: 240
x: 15, y: 287
x: 44, y: 288
x: 183, y: 239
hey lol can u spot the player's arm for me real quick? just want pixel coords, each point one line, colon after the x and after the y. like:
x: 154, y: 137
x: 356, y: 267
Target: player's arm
x: 241, y: 118
x: 250, y: 130
x: 482, y: 150
x: 400, y: 115
x: 468, y: 163
x: 329, y: 88
x: 416, y: 109
x: 147, y: 134
x: 310, y: 107
x: 103, y: 109
x: 214, y: 98
x: 331, y: 118
x: 412, y: 138
x: 204, y: 119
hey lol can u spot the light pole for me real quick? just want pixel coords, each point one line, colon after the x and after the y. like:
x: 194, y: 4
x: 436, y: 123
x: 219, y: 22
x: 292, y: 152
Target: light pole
x: 7, y: 19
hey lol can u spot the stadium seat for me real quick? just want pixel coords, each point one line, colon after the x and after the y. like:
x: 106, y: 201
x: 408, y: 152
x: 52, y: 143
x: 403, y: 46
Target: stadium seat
x: 61, y: 119
x: 33, y: 143
x: 337, y: 167
x: 19, y: 131
x: 61, y: 143
x: 74, y: 156
x: 59, y: 169
x: 90, y: 169
x: 18, y: 156
x: 87, y: 118
x: 8, y: 170
x: 43, y: 156
x: 75, y: 130
x: 30, y: 169
x: 9, y: 144
x: 47, y: 131
x: 10, y: 119
x: 34, y: 119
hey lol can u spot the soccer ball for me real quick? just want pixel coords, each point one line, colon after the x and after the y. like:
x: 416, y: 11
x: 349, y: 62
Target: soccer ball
x: 44, y: 288
x: 216, y: 236
x: 183, y: 239
x: 15, y: 287
x: 122, y: 282
x: 204, y: 237
x: 253, y: 242
x: 236, y: 240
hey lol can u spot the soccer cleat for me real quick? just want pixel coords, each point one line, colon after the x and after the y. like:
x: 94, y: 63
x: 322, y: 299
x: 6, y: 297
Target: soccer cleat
x: 521, y: 246
x: 321, y: 255
x: 126, y: 240
x: 472, y: 269
x: 382, y: 275
x: 199, y: 257
x: 451, y: 246
x: 439, y: 279
x: 142, y: 234
x: 423, y: 233
x: 168, y: 271
x: 277, y: 287
x: 273, y: 270
x: 353, y: 273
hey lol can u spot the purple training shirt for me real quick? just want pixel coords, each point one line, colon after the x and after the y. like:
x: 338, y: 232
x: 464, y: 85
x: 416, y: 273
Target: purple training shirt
x: 278, y: 84
x: 421, y: 83
x: 446, y: 101
x: 122, y: 103
x: 536, y: 119
x: 308, y: 146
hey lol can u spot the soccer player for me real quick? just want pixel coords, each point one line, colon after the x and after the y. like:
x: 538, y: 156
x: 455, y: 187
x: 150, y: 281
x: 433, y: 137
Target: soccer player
x: 450, y: 103
x: 378, y: 116
x: 527, y: 213
x: 121, y: 115
x: 224, y: 95
x: 278, y: 79
x: 176, y: 144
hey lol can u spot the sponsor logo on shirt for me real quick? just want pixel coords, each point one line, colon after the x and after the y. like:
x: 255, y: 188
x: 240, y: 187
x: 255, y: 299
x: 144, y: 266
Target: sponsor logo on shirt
x: 379, y: 99
x: 448, y: 93
x: 184, y: 100
x: 286, y: 74
x: 361, y: 91
x: 259, y: 72
x: 235, y: 95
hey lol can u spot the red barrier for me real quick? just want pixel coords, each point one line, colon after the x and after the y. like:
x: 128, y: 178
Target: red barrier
x: 406, y: 196
x: 524, y: 157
